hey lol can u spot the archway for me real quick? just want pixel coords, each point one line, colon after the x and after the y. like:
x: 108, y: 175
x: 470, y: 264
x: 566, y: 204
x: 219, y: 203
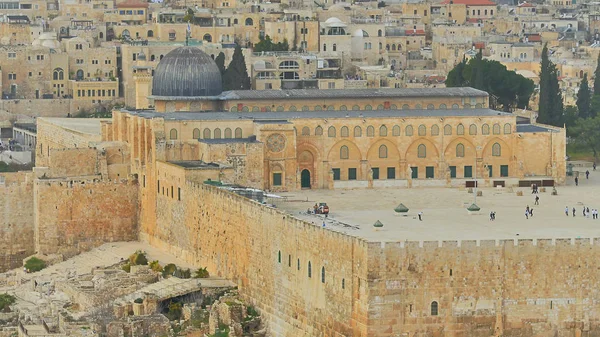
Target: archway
x: 305, y: 179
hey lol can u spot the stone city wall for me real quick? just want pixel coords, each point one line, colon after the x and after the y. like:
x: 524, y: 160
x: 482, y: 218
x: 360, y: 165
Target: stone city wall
x: 51, y: 136
x: 16, y: 219
x: 485, y: 288
x: 76, y: 215
x: 57, y: 107
x: 268, y: 253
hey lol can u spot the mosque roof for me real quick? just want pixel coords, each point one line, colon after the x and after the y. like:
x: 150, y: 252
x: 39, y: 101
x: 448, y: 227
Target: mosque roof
x: 533, y: 128
x: 186, y: 72
x: 288, y: 115
x: 354, y: 93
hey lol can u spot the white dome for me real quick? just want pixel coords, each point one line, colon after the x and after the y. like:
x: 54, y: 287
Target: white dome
x: 360, y: 33
x: 333, y: 20
x: 47, y: 40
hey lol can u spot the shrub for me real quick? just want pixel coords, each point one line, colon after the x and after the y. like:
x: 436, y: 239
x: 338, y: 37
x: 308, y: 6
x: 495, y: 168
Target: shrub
x: 6, y: 301
x: 138, y: 301
x: 138, y: 259
x: 174, y: 311
x: 155, y: 266
x: 126, y: 267
x: 250, y: 311
x: 201, y: 273
x: 34, y: 264
x: 169, y: 270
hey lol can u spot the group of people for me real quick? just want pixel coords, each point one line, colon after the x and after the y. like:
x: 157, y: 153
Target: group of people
x: 586, y: 212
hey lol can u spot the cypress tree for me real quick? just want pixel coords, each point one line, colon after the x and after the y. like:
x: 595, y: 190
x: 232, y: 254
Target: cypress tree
x: 597, y: 78
x: 583, y: 98
x: 220, y: 61
x: 236, y: 76
x: 479, y: 80
x: 551, y: 104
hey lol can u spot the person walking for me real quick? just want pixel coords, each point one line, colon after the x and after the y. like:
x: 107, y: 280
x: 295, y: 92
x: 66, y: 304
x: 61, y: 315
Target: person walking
x: 531, y: 212
x: 537, y: 200
x: 491, y: 216
x: 587, y: 211
x: 576, y: 181
x: 527, y: 213
x: 583, y: 210
x: 567, y: 210
x: 594, y: 166
x: 587, y: 174
x: 573, y: 211
x: 420, y: 216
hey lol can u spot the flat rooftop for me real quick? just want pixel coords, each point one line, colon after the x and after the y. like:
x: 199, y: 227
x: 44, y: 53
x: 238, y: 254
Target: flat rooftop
x: 282, y: 116
x: 89, y: 126
x: 445, y: 216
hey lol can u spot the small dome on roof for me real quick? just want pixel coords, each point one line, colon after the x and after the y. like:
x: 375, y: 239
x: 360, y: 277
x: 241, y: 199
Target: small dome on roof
x: 333, y: 20
x: 360, y: 33
x: 141, y: 56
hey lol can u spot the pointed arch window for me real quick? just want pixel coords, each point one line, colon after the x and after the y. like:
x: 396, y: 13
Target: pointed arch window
x: 383, y: 151
x: 496, y: 150
x: 422, y: 151
x: 460, y: 150
x: 344, y: 152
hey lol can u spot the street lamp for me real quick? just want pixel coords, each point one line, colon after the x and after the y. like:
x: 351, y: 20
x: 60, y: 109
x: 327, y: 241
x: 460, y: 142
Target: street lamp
x: 474, y: 206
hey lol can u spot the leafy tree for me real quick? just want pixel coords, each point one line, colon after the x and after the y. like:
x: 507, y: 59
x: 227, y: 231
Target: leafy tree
x: 189, y: 15
x: 571, y: 115
x: 595, y: 106
x: 220, y: 61
x: 551, y: 104
x: 585, y: 133
x: 266, y: 44
x: 511, y: 89
x: 597, y: 78
x: 6, y: 301
x: 236, y: 76
x: 583, y: 98
x: 34, y: 264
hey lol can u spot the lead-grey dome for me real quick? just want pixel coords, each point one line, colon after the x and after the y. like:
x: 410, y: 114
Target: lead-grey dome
x: 186, y: 72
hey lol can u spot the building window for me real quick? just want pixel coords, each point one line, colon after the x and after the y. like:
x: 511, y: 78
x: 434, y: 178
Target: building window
x: 370, y: 131
x: 289, y: 260
x: 396, y: 130
x: 336, y: 173
x: 306, y: 131
x: 507, y: 129
x: 196, y: 134
x: 391, y: 173
x: 173, y: 134
x: 318, y: 131
x: 468, y: 171
x: 409, y: 130
x: 383, y: 151
x: 447, y: 130
x: 343, y: 284
x: 429, y: 170
x: 485, y: 129
x: 279, y: 256
x: 289, y: 65
x: 496, y: 150
x: 323, y: 275
x: 344, y: 152
x: 276, y: 179
x: 179, y: 193
x: 375, y: 171
x: 206, y: 133
x: 421, y: 151
x: 228, y: 133
x: 298, y: 264
x: 504, y: 170
x: 460, y: 130
x: 217, y: 133
x: 434, y: 308
x: 309, y: 269
x: 357, y: 131
x: 460, y: 150
x: 442, y: 106
x: 435, y: 130
x: 331, y: 131
x: 383, y: 131
x: 452, y: 174
x: 496, y: 129
x: 238, y: 133
x: 344, y: 131
x: 352, y: 174
x: 356, y: 107
x: 473, y: 129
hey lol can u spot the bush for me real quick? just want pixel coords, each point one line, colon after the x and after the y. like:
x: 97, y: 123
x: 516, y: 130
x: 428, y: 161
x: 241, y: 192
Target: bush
x: 138, y: 259
x: 34, y: 264
x: 126, y: 267
x: 138, y: 301
x: 155, y: 266
x: 6, y: 301
x: 169, y: 270
x: 181, y: 273
x: 250, y: 311
x: 174, y: 311
x: 201, y: 273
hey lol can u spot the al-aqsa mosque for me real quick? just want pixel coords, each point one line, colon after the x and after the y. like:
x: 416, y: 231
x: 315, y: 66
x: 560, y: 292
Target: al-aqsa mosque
x: 326, y: 139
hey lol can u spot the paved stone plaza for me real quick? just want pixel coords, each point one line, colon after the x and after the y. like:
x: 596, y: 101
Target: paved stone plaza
x: 445, y: 216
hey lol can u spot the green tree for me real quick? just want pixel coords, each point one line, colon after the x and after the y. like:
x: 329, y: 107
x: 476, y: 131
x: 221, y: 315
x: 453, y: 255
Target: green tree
x: 220, y: 61
x: 551, y: 104
x: 571, y: 115
x: 597, y: 78
x: 236, y: 76
x: 585, y: 133
x: 264, y: 44
x: 584, y: 98
x: 511, y: 89
x: 595, y: 106
x: 189, y: 15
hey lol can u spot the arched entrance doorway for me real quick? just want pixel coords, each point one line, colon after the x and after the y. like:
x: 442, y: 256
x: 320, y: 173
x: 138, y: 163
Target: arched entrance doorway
x: 305, y: 178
